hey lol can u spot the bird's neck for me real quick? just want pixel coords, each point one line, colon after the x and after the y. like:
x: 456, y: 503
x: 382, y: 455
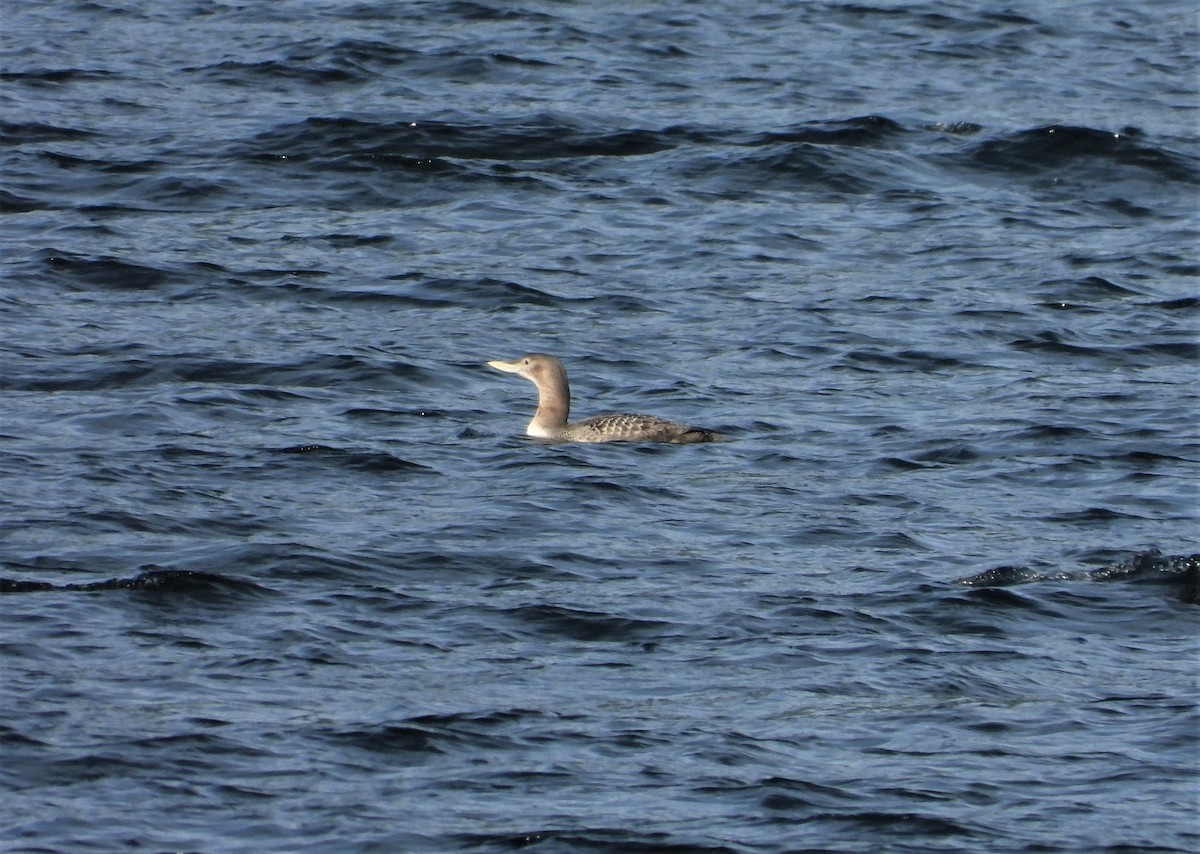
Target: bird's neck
x: 554, y: 406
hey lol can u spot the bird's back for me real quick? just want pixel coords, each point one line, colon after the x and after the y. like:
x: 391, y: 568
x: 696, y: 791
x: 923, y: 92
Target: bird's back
x: 630, y: 427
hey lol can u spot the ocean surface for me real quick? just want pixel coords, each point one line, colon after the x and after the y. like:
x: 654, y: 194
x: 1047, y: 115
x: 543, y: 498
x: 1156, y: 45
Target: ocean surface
x: 281, y: 572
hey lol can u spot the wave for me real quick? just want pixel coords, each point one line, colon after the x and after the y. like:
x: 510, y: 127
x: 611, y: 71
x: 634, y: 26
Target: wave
x: 363, y: 162
x: 1180, y: 571
x: 104, y: 272
x: 437, y: 733
x: 1125, y: 171
x: 589, y: 626
x: 537, y: 137
x: 22, y: 133
x: 431, y: 143
x: 166, y: 581
x: 1054, y: 147
x: 375, y: 462
x: 140, y: 368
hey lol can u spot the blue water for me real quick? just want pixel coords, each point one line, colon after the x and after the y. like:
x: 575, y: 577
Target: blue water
x: 281, y: 572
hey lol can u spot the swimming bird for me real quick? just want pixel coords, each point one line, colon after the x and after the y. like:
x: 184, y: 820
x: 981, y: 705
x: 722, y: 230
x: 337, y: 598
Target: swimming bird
x: 554, y: 405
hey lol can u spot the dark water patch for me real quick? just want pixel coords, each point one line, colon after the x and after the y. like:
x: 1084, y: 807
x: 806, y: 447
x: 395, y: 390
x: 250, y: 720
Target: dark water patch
x: 824, y: 535
x: 168, y: 582
x: 790, y: 794
x: 366, y: 56
x: 771, y: 459
x: 19, y: 133
x: 55, y: 75
x: 191, y: 746
x: 316, y: 371
x: 349, y: 61
x: 450, y: 564
x: 122, y: 374
x: 587, y: 626
x: 149, y: 522
x: 919, y: 18
x: 896, y: 826
x: 487, y: 292
x: 1069, y: 345
x: 487, y: 67
x: 1090, y: 289
x: 14, y: 738
x: 350, y: 241
x: 415, y: 143
x: 882, y: 499
x: 388, y: 415
x: 73, y: 162
x: 1051, y: 341
x: 1091, y: 516
x: 1059, y: 305
x: 469, y: 10
x: 391, y: 739
x: 1180, y: 304
x: 902, y: 464
x: 438, y: 733
x: 593, y: 841
x: 376, y: 462
x: 180, y: 192
x: 483, y: 721
x: 272, y: 274
x: 12, y: 203
x: 849, y: 157
x: 87, y: 768
x: 1127, y: 208
x: 294, y: 69
x: 550, y: 136
x: 109, y: 189
x: 1001, y: 598
x: 987, y: 616
x: 601, y: 485
x: 1163, y: 352
x: 1082, y: 260
x: 185, y: 752
x: 310, y: 372
x: 491, y: 294
x: 263, y: 381
x: 813, y: 615
x: 801, y: 166
x: 1039, y: 433
x: 509, y: 59
x: 1057, y: 147
x: 860, y: 131
x: 106, y: 272
x: 1181, y: 572
x: 871, y: 359
x: 950, y: 455
x: 1150, y: 460
x: 1002, y: 576
x: 247, y: 396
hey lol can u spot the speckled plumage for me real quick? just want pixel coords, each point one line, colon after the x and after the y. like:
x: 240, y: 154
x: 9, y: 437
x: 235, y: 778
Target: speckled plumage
x: 554, y: 403
x: 632, y: 427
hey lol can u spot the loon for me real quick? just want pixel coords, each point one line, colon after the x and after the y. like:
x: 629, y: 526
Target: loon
x: 554, y: 404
